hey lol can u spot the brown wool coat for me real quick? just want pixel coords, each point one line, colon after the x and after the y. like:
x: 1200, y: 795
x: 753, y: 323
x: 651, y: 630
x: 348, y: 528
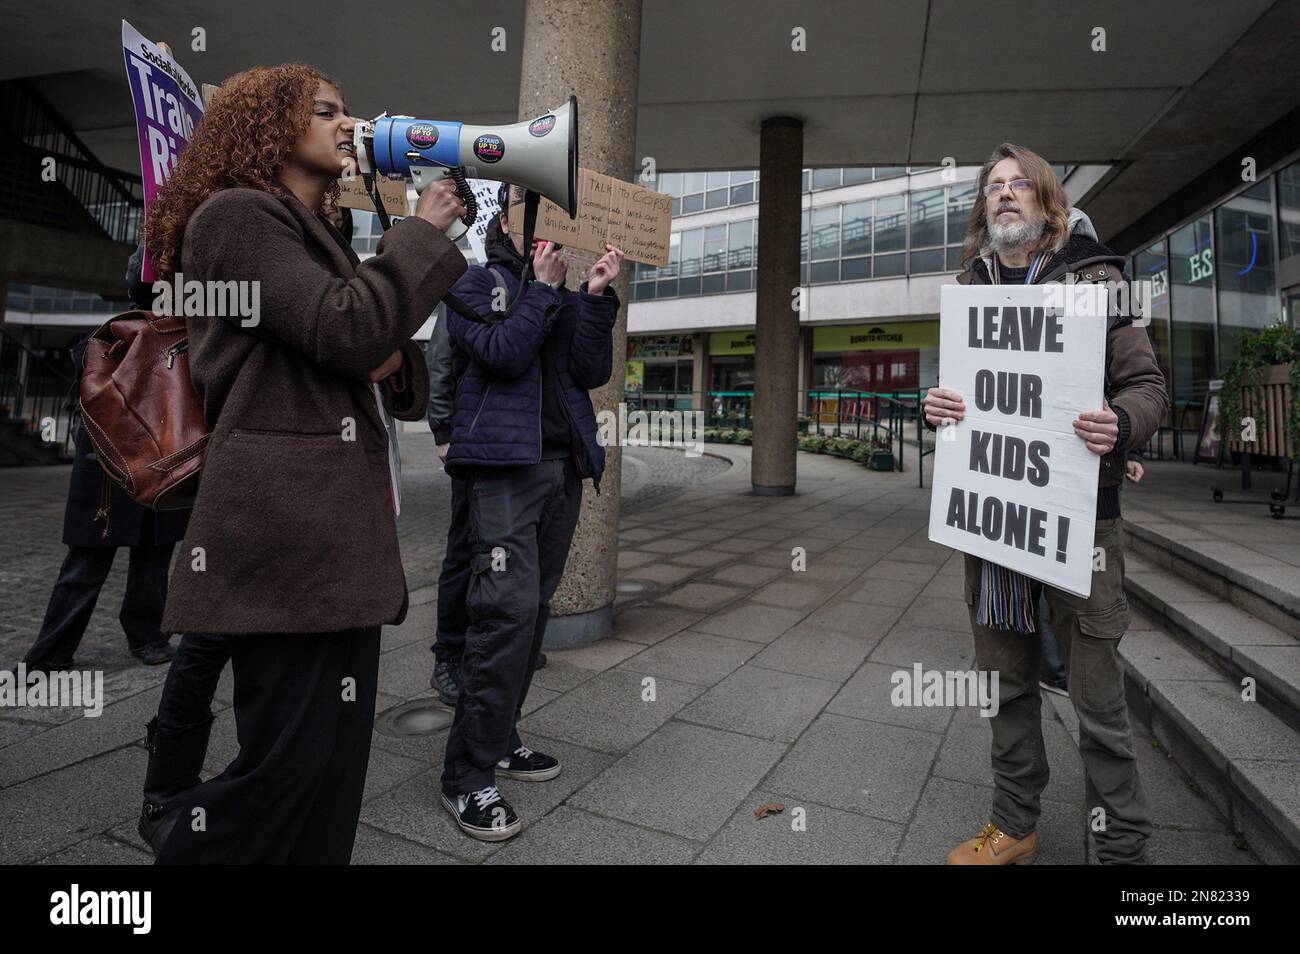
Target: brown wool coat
x: 296, y: 523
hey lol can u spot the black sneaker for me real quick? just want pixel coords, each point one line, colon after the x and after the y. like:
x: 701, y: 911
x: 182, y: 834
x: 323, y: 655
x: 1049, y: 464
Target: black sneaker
x: 528, y: 766
x: 446, y: 680
x: 484, y: 814
x: 155, y: 654
x: 541, y: 661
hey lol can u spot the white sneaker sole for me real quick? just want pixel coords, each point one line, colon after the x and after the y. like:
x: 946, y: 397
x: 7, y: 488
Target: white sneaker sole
x: 505, y: 833
x: 545, y: 775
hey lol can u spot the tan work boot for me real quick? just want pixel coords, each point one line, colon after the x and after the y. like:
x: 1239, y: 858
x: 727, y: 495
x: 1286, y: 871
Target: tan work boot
x: 992, y: 846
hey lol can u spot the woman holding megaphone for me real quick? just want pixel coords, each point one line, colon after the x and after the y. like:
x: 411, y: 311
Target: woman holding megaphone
x: 292, y: 546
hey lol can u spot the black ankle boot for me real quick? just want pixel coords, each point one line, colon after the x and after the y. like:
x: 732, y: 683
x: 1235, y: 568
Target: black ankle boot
x: 175, y: 762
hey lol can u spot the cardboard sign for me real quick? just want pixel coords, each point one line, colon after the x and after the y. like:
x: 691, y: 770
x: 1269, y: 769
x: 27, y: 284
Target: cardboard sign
x: 636, y: 219
x: 167, y: 108
x: 392, y: 192
x: 1013, y: 484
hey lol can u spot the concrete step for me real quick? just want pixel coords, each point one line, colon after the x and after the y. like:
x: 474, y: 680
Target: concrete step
x: 1222, y: 634
x: 1243, y: 758
x: 1265, y: 588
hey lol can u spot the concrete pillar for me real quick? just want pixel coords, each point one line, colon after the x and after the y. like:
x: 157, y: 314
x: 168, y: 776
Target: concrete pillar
x: 805, y: 349
x: 699, y: 360
x: 590, y: 49
x: 776, y: 352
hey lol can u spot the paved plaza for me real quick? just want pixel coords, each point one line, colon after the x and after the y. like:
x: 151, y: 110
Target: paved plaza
x: 731, y: 681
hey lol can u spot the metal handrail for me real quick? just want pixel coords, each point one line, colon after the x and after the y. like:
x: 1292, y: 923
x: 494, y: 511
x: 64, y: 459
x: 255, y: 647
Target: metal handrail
x: 33, y: 391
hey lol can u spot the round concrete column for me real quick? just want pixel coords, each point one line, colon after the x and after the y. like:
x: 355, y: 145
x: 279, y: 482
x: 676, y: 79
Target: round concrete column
x: 590, y: 49
x: 776, y: 348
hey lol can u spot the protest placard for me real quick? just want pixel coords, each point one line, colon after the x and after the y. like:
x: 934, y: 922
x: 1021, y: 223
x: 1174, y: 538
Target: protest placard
x: 636, y: 219
x: 167, y: 108
x: 392, y: 192
x: 1013, y: 484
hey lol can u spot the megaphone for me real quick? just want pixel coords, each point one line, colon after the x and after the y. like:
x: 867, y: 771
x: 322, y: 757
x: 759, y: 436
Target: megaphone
x: 540, y: 155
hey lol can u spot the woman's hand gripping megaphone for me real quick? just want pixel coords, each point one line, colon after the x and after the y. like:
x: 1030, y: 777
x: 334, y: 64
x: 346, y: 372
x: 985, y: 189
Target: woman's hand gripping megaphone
x: 440, y: 204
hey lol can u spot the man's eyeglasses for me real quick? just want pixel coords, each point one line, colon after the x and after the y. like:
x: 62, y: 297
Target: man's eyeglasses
x: 1017, y: 185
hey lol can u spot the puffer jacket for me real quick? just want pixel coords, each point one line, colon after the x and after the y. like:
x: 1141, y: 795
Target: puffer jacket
x: 496, y: 421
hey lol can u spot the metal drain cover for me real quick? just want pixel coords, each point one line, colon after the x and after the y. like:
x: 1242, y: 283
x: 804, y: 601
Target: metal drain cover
x: 416, y: 718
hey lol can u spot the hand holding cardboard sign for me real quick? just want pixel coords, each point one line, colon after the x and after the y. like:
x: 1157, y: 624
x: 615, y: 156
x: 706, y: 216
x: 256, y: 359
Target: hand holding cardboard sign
x: 943, y: 405
x: 605, y: 270
x: 1098, y: 429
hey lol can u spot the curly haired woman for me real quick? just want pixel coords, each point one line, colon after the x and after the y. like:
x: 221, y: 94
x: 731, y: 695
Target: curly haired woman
x: 292, y: 546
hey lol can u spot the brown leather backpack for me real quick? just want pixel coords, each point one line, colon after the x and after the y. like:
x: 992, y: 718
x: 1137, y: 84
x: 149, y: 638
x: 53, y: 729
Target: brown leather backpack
x: 141, y: 410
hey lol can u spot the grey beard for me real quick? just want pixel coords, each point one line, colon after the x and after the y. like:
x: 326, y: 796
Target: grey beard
x: 1015, y: 235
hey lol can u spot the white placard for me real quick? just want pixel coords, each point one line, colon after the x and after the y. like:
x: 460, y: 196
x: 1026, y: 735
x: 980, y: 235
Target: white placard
x: 1013, y: 483
x: 485, y: 191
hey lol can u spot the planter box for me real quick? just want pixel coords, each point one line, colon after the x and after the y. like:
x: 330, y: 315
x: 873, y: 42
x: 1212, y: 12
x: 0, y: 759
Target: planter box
x: 1273, y: 398
x: 882, y: 462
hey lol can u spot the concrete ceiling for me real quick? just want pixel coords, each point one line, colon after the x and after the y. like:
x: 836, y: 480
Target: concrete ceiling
x: 883, y: 82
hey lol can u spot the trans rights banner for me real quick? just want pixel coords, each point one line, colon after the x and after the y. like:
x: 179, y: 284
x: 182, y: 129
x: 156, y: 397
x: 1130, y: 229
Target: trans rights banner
x: 1013, y: 484
x: 167, y: 108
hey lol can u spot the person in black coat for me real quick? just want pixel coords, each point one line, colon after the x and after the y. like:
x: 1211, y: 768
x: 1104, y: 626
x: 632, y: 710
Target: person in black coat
x: 93, y: 539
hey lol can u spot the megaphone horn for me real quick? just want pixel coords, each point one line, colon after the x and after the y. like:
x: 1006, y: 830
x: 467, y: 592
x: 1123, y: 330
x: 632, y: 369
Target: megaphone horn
x: 538, y: 154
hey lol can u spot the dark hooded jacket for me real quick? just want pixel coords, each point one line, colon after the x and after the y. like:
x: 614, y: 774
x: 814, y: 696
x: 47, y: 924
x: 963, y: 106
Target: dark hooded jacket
x: 500, y: 417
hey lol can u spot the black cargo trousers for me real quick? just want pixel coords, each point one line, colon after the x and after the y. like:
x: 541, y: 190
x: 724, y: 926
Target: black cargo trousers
x: 521, y: 521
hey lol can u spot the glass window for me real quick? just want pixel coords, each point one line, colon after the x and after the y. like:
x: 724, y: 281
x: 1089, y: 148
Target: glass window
x: 889, y: 172
x: 692, y: 245
x: 855, y: 269
x: 674, y: 256
x: 825, y: 178
x: 1191, y: 274
x: 857, y: 174
x: 954, y: 258
x: 671, y: 183
x: 891, y: 226
x: 1288, y: 201
x: 826, y: 233
x: 715, y: 249
x: 825, y: 272
x: 717, y: 180
x: 961, y: 200
x: 855, y: 234
x: 740, y: 281
x: 740, y: 245
x: 1152, y: 266
x: 888, y: 266
x: 692, y: 203
x: 666, y: 289
x: 689, y: 285
x: 742, y: 175
x: 930, y: 260
x: 927, y: 219
x: 677, y: 207
x: 740, y: 194
x: 804, y: 187
x: 694, y: 182
x: 713, y: 284
x: 715, y: 199
x: 1247, y: 274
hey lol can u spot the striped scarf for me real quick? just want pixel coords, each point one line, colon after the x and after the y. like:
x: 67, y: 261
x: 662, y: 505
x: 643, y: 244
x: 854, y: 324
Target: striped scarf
x: 1006, y: 597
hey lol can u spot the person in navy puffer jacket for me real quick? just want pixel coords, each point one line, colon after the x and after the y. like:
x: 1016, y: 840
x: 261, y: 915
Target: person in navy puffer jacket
x: 523, y: 438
